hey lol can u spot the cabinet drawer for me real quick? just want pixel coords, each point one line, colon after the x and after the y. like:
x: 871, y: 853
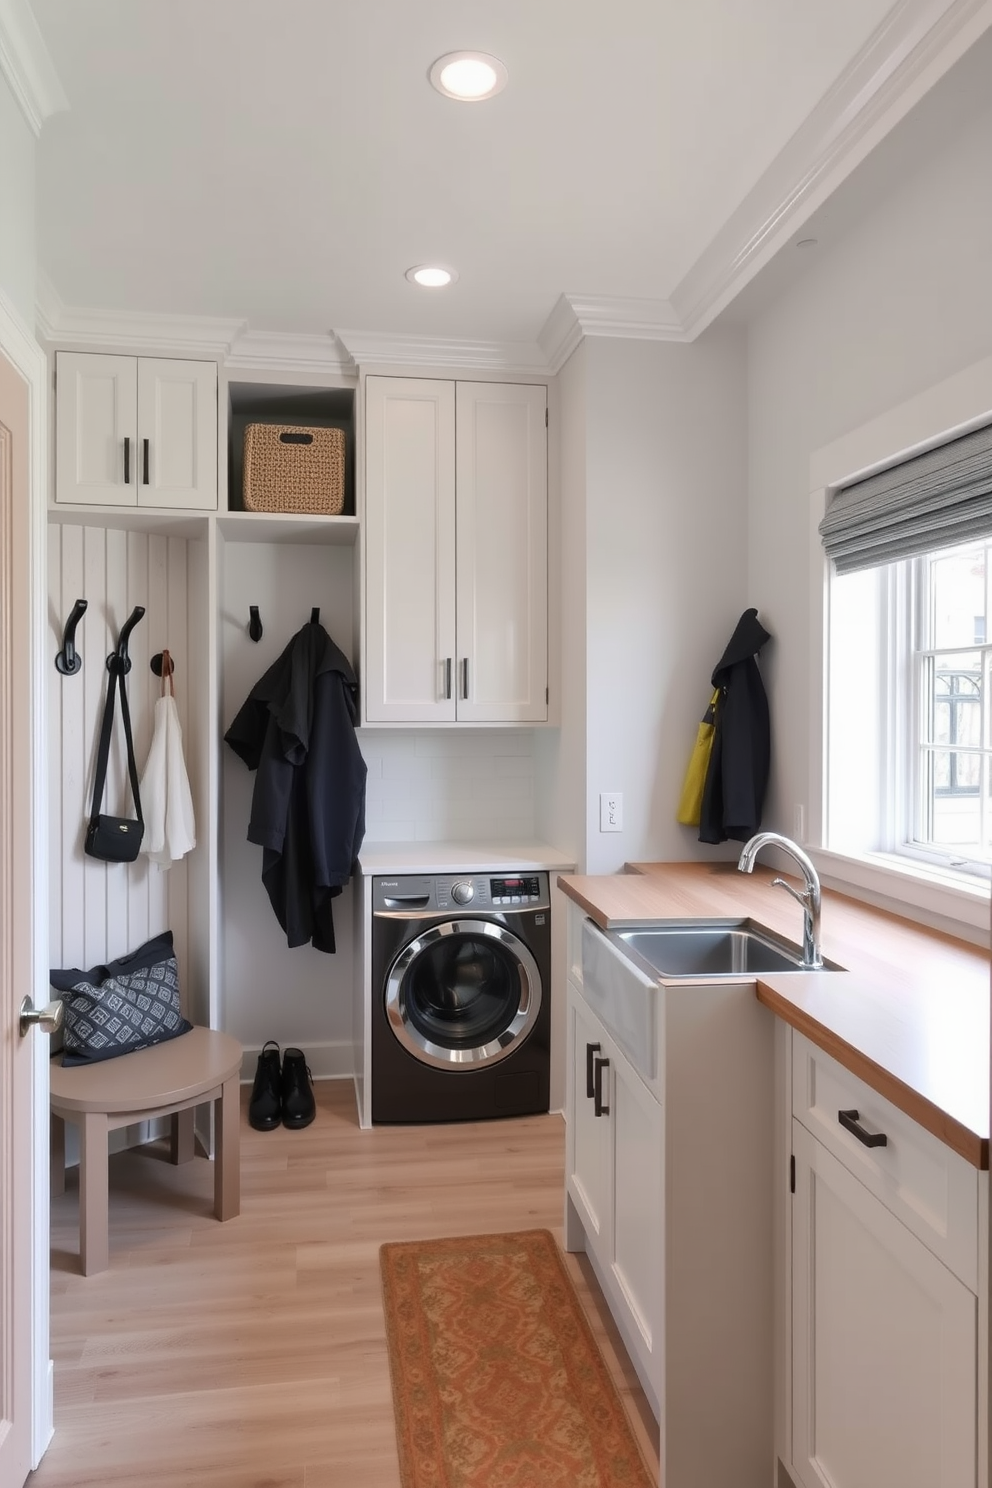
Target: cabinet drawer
x: 932, y: 1190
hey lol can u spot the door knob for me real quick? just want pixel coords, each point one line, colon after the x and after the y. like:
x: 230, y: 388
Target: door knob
x: 48, y: 1018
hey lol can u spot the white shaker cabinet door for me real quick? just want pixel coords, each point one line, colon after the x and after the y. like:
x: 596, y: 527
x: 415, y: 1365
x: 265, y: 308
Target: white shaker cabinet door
x: 96, y: 417
x: 410, y: 550
x: 884, y: 1342
x: 177, y: 434
x: 590, y: 1144
x: 502, y: 559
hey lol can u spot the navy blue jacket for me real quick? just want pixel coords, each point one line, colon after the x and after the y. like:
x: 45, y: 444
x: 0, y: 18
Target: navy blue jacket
x: 297, y: 730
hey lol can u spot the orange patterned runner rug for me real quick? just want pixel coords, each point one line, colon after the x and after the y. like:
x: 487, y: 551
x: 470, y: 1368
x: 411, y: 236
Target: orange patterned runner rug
x: 497, y: 1379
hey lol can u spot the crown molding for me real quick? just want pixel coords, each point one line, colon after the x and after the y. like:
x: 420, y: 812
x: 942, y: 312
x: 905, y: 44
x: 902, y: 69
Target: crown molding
x: 273, y: 351
x: 26, y: 64
x: 124, y: 330
x: 370, y: 348
x: 576, y: 316
x: 918, y: 41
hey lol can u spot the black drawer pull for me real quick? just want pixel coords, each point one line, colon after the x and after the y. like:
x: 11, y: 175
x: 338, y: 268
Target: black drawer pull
x: 849, y: 1121
x: 599, y: 1108
x: 591, y: 1051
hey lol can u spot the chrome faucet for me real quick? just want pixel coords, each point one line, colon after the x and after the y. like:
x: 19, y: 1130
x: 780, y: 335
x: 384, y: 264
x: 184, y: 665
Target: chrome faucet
x: 809, y: 898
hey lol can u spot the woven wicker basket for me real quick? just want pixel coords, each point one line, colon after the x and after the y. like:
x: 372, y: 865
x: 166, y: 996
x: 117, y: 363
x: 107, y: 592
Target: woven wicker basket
x: 289, y: 468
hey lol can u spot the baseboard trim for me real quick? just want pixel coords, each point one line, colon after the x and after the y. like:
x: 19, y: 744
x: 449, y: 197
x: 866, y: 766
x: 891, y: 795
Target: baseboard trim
x: 332, y: 1059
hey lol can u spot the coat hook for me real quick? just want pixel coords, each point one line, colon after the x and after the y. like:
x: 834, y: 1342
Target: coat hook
x: 120, y: 660
x: 156, y: 664
x: 254, y: 623
x: 68, y: 660
x: 315, y: 615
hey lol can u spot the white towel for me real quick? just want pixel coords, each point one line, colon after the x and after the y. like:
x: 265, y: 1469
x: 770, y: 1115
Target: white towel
x: 165, y: 795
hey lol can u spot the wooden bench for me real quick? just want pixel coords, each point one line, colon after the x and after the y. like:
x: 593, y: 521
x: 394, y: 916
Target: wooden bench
x: 169, y: 1079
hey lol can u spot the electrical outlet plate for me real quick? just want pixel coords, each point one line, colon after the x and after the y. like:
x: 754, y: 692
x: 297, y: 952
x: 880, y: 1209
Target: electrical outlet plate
x: 611, y: 811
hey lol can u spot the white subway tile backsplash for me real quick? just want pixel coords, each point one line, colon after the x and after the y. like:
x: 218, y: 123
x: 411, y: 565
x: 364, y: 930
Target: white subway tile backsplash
x: 429, y: 785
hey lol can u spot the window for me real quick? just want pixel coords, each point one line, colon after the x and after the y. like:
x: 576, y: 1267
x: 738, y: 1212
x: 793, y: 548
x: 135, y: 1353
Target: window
x: 909, y: 745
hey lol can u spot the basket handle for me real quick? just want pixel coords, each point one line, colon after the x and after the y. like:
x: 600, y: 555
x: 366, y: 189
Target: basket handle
x: 295, y: 436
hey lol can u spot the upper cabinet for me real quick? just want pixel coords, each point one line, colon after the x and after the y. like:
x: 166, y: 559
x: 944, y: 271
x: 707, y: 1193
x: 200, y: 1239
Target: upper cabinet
x: 135, y: 431
x: 456, y: 538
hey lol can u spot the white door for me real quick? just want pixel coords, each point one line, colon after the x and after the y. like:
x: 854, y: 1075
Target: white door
x: 17, y: 1055
x: 96, y: 424
x: 176, y: 454
x: 885, y: 1342
x: 410, y: 550
x: 502, y: 552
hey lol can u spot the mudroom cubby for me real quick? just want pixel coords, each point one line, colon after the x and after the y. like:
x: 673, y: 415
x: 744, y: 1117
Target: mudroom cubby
x: 297, y: 996
x: 98, y: 911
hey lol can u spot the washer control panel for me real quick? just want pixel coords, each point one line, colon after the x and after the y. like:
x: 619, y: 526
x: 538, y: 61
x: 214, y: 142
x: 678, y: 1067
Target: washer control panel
x: 525, y: 889
x: 476, y: 892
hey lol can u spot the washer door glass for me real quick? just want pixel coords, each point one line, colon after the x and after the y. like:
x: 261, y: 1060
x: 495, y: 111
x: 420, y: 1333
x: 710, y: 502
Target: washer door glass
x: 465, y: 992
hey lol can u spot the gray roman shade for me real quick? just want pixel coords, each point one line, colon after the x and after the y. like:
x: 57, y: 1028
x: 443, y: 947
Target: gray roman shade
x: 934, y: 500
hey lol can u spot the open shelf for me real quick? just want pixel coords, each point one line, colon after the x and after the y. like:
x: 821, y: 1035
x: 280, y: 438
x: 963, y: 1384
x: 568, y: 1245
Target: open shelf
x: 272, y: 527
x: 280, y: 403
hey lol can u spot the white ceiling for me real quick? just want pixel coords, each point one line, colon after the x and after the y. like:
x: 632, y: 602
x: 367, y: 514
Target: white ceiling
x: 285, y: 163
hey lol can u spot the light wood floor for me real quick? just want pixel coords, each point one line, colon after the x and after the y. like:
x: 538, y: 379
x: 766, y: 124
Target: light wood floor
x: 252, y: 1354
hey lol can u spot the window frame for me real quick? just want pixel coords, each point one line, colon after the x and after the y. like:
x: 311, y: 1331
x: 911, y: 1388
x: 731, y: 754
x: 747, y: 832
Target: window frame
x: 934, y: 892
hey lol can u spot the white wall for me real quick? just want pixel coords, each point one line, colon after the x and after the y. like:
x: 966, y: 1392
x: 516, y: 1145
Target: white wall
x: 438, y: 785
x: 666, y: 527
x: 887, y: 308
x: 560, y: 753
x: 17, y: 208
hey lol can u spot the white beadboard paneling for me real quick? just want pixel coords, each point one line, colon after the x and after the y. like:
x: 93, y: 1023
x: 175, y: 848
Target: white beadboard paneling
x: 102, y: 910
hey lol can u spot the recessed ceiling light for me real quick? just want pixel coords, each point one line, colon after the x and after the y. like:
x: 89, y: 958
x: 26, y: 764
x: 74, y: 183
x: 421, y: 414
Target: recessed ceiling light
x: 471, y: 77
x: 431, y: 276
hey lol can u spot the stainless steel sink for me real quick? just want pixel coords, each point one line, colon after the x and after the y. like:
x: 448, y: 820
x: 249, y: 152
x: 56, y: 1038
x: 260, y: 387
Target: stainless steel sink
x: 708, y: 950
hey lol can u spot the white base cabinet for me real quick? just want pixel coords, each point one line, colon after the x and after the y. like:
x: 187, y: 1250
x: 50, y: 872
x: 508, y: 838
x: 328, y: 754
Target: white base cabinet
x: 885, y: 1311
x: 455, y: 552
x: 885, y: 1342
x: 670, y: 1122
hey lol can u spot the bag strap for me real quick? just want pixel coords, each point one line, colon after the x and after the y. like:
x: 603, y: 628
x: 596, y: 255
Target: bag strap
x: 106, y: 728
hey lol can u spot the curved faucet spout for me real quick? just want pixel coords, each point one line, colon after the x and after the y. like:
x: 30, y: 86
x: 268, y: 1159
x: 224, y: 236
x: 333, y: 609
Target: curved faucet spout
x: 809, y: 898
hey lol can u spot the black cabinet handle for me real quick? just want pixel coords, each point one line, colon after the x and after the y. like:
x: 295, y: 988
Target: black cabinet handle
x: 597, y: 1093
x: 591, y: 1051
x: 127, y: 460
x: 144, y: 459
x: 464, y: 676
x: 447, y: 676
x: 849, y: 1121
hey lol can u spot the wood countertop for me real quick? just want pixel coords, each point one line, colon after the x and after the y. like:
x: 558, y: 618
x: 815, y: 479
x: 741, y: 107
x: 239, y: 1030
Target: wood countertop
x: 909, y: 1014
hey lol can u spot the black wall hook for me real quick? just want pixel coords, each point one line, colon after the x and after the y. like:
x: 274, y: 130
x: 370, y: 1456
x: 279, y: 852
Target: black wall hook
x: 119, y: 660
x: 254, y: 623
x: 68, y: 660
x: 315, y: 615
x: 156, y: 664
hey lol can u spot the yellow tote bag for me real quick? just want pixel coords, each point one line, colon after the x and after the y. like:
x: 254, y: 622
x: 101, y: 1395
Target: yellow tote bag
x: 691, y: 799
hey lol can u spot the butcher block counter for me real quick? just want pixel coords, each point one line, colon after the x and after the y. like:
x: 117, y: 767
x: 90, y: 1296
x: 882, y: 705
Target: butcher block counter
x: 909, y: 1013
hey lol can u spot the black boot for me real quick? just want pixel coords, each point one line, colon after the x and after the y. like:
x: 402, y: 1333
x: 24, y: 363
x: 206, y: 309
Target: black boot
x: 265, y: 1105
x: 298, y: 1105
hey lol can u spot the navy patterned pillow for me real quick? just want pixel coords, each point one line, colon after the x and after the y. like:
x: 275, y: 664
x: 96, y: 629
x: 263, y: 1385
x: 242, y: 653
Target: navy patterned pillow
x: 128, y: 1005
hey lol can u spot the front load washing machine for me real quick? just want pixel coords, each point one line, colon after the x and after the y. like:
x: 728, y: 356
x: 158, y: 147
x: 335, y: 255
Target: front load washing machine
x: 461, y: 996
